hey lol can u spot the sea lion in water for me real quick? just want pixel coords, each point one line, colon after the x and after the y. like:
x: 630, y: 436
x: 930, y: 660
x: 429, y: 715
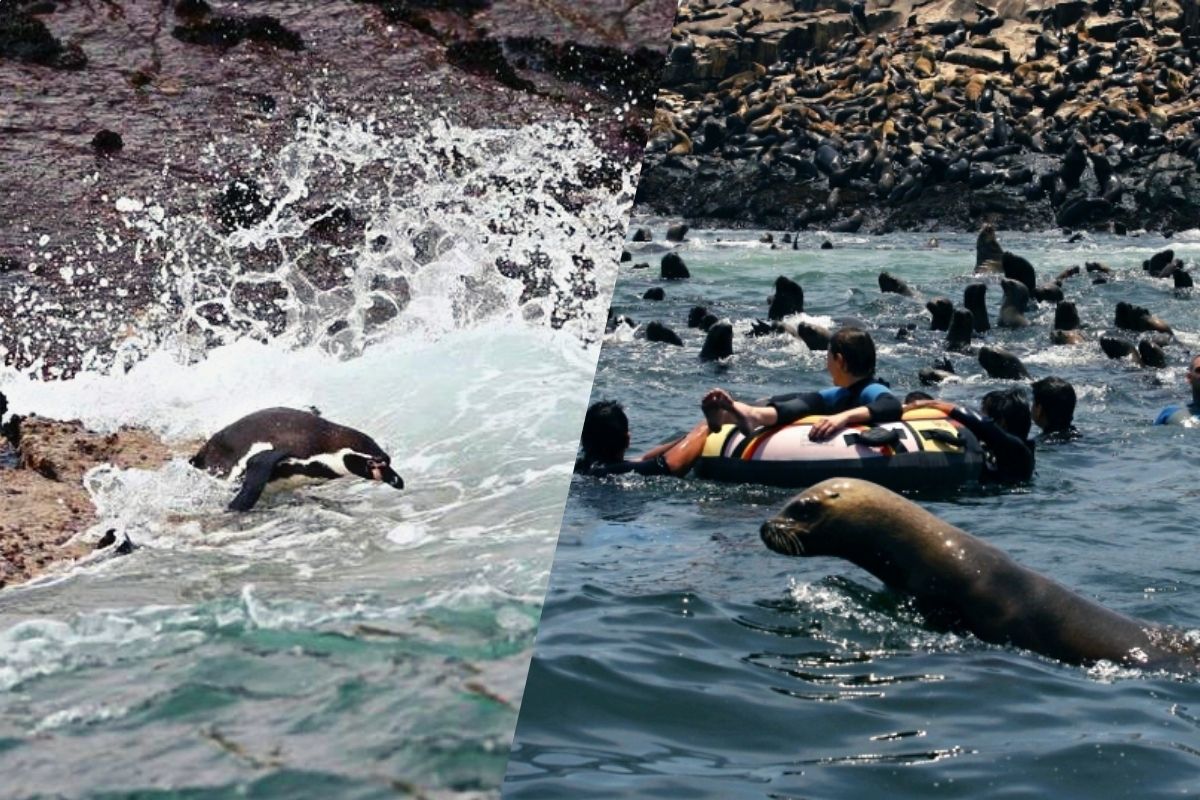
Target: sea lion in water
x: 962, y: 581
x: 719, y: 342
x: 889, y: 283
x: 941, y: 309
x: 958, y: 336
x: 1018, y: 269
x: 787, y: 300
x: 657, y: 332
x: 1136, y: 318
x: 999, y: 363
x: 815, y: 337
x: 975, y: 299
x: 282, y: 445
x: 1014, y: 304
x: 989, y: 255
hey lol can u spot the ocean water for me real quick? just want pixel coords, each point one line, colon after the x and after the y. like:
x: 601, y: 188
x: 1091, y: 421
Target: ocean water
x: 347, y: 640
x: 678, y: 657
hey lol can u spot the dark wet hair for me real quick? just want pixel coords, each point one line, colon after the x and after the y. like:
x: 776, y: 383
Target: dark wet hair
x: 856, y: 346
x: 912, y: 397
x: 605, y: 428
x: 1009, y: 409
x: 1057, y: 399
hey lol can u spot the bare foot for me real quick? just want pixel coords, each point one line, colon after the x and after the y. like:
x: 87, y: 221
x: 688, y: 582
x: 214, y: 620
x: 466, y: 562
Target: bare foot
x: 719, y: 408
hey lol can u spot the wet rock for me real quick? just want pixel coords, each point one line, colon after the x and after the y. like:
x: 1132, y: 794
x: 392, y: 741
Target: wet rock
x: 230, y: 31
x: 24, y: 37
x: 655, y: 293
x: 242, y: 205
x: 642, y: 235
x: 487, y: 58
x: 107, y: 142
x: 42, y: 500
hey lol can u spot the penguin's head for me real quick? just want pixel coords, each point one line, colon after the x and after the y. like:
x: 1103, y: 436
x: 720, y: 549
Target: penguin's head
x: 372, y: 468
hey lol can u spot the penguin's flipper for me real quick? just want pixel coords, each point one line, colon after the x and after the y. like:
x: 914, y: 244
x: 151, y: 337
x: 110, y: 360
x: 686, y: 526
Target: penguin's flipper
x: 258, y: 473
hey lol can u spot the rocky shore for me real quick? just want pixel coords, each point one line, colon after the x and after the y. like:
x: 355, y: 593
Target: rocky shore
x: 940, y: 115
x: 113, y: 100
x: 43, y: 503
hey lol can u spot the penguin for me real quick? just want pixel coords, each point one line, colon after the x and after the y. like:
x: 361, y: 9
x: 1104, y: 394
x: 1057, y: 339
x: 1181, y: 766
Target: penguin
x: 285, y: 446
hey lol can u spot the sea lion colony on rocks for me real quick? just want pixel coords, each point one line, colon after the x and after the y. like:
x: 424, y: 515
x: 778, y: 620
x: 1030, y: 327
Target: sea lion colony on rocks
x: 1028, y: 113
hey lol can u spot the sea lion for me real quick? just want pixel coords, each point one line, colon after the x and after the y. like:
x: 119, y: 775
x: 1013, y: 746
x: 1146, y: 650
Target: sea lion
x: 1115, y: 347
x: 1066, y: 316
x: 999, y: 363
x: 677, y: 232
x: 1014, y: 305
x: 1048, y: 293
x: 815, y: 337
x: 1018, y: 269
x: 989, y: 255
x: 1136, y: 318
x: 975, y: 300
x: 655, y: 293
x: 657, y: 332
x: 695, y: 315
x: 941, y: 309
x: 889, y: 283
x: 788, y: 298
x: 672, y: 268
x: 1151, y: 354
x: 962, y: 582
x: 285, y: 445
x: 718, y: 343
x: 958, y: 336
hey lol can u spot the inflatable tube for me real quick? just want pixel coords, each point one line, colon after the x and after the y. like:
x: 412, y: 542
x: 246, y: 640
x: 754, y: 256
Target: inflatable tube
x: 923, y: 451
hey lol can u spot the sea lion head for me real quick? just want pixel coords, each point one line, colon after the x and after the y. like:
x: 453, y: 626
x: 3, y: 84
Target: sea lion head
x: 798, y: 529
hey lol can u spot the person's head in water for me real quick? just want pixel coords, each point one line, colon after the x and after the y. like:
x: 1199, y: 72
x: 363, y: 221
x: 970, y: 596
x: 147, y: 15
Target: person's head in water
x: 1053, y: 404
x: 1009, y: 410
x: 1193, y: 378
x: 605, y: 435
x: 914, y: 396
x: 851, y: 356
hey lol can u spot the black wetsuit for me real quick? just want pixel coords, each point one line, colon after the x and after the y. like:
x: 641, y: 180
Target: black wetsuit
x: 598, y: 469
x: 879, y: 400
x: 1008, y: 458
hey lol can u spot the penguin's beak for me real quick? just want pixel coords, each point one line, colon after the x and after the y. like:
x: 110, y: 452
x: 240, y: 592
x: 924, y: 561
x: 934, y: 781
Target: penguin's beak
x: 385, y: 474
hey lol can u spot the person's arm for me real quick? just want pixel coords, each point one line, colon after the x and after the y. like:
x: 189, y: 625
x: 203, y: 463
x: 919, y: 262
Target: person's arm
x: 791, y: 407
x: 678, y: 456
x: 881, y: 406
x: 828, y: 426
x: 1014, y: 459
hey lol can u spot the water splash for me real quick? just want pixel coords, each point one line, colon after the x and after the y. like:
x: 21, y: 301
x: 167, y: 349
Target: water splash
x: 356, y: 230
